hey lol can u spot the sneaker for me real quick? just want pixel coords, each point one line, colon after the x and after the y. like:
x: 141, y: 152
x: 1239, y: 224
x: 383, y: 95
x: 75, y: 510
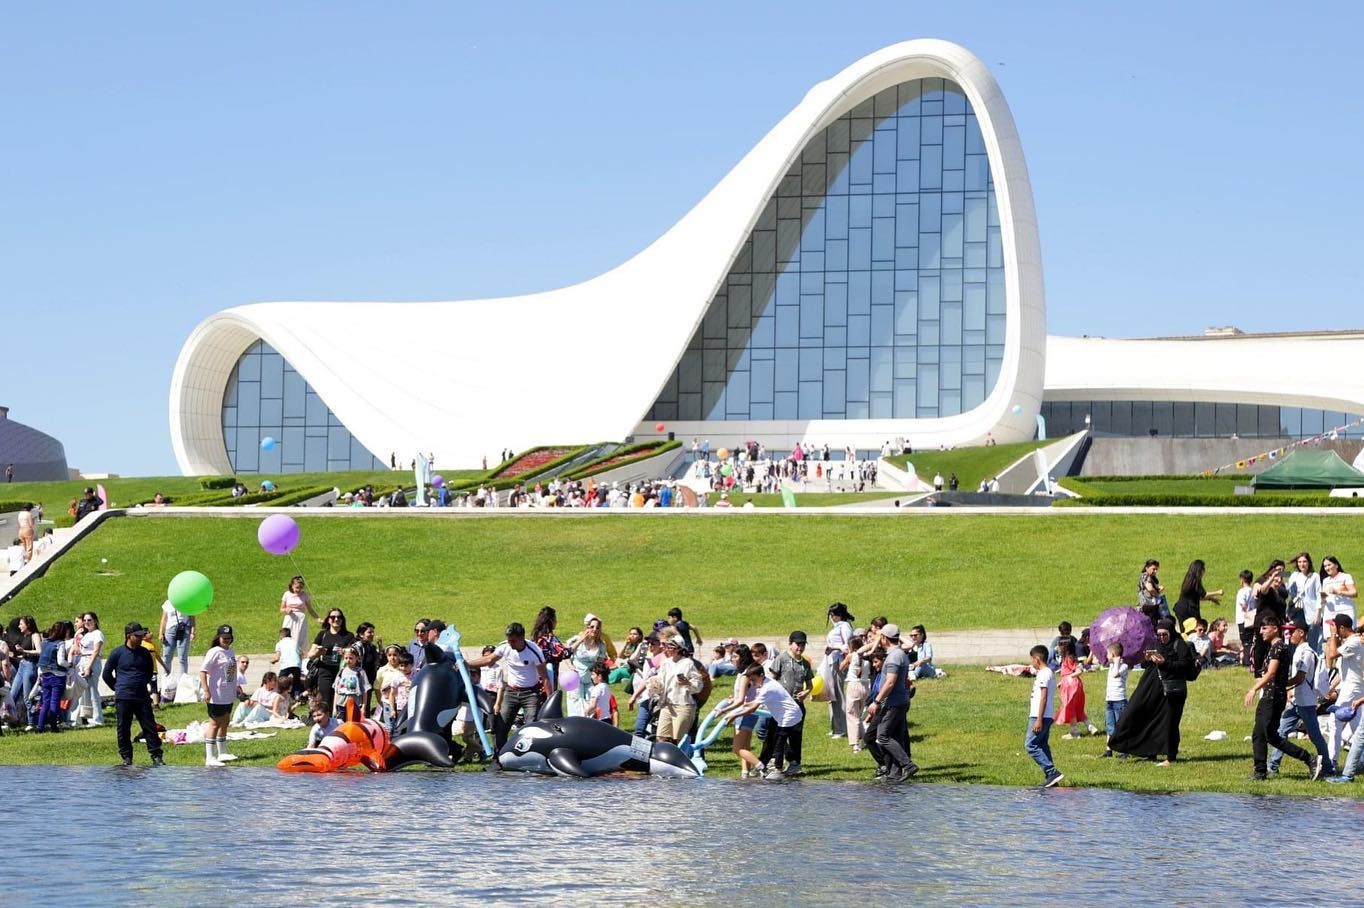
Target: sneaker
x: 743, y: 773
x: 880, y: 773
x: 1054, y: 779
x: 1341, y: 780
x: 28, y: 728
x: 896, y: 775
x: 1106, y: 753
x: 1316, y: 765
x: 227, y: 758
x: 911, y: 769
x: 774, y: 775
x: 857, y: 748
x: 209, y: 761
x: 757, y: 772
x: 795, y: 769
x: 1069, y: 737
x: 832, y: 735
x: 1093, y: 730
x: 127, y: 761
x: 1258, y: 777
x: 157, y: 761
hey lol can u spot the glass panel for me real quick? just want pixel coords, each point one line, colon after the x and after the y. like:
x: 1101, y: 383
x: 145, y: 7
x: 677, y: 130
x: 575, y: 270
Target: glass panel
x: 868, y: 239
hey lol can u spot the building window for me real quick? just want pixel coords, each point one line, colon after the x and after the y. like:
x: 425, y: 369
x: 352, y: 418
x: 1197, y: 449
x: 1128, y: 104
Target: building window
x: 872, y: 285
x: 1202, y: 419
x: 266, y: 398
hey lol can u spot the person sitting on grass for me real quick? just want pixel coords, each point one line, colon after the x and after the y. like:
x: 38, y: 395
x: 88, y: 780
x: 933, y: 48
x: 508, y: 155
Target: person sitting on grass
x: 923, y: 666
x: 1226, y: 649
x: 1201, y: 643
x: 720, y: 663
x: 265, y: 705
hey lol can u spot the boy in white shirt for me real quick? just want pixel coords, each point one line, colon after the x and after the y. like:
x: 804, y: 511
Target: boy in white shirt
x: 598, y: 701
x: 1115, y: 695
x: 286, y: 657
x: 323, y: 725
x: 1041, y: 712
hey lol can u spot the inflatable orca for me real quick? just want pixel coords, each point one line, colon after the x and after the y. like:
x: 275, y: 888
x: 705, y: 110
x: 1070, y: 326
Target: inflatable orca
x: 582, y: 747
x: 431, y: 707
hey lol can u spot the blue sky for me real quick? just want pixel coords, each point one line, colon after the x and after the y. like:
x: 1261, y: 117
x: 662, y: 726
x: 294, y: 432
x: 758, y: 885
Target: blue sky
x: 1192, y: 164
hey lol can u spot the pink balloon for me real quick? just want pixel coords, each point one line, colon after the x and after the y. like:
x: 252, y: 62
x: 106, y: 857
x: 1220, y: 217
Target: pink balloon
x: 278, y: 534
x: 568, y: 679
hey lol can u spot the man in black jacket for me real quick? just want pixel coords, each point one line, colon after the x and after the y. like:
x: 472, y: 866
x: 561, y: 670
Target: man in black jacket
x: 129, y: 672
x: 89, y: 503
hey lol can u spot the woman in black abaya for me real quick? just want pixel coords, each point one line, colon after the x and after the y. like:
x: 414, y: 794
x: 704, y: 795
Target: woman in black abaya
x: 1149, y: 726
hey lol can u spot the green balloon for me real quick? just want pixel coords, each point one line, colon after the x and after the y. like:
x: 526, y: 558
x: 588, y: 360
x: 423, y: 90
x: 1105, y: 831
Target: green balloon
x: 726, y: 470
x: 190, y: 592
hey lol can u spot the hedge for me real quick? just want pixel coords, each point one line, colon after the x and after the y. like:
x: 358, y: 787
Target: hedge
x: 1110, y: 500
x: 217, y: 482
x: 8, y: 506
x: 1177, y: 476
x: 547, y: 467
x: 627, y: 456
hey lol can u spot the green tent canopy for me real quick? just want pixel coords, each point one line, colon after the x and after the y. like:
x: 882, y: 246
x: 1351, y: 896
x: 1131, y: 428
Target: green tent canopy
x: 1302, y: 469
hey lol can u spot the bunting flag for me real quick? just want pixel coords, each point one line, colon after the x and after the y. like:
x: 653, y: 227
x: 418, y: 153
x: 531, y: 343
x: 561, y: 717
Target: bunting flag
x: 1313, y: 441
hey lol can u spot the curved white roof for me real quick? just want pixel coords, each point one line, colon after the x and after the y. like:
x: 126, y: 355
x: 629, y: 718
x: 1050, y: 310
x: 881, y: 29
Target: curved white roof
x: 461, y: 403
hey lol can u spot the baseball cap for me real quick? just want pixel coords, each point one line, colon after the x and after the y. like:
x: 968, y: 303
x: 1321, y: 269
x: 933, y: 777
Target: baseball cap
x: 133, y: 628
x: 225, y: 629
x: 891, y: 631
x: 797, y: 637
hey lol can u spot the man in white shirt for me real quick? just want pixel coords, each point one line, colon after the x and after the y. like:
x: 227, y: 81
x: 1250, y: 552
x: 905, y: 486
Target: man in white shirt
x: 524, y: 679
x: 1041, y: 712
x: 1344, y: 644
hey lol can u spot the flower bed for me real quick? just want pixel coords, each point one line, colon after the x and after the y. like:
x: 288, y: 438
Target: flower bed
x: 536, y: 460
x: 629, y: 455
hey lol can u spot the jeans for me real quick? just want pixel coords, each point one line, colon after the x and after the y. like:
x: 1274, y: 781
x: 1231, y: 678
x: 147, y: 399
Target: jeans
x: 124, y: 712
x: 890, y: 745
x: 25, y: 676
x: 1350, y: 766
x: 1266, y: 733
x: 170, y: 645
x: 514, y: 701
x: 775, y: 752
x: 90, y: 698
x: 642, y: 716
x: 1308, y: 715
x: 1037, y: 746
x: 51, y: 688
x: 1113, y: 710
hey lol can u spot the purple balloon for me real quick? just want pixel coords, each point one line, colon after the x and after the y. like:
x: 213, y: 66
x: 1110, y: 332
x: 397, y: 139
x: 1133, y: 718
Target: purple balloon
x: 278, y: 534
x: 1123, y: 624
x: 437, y: 481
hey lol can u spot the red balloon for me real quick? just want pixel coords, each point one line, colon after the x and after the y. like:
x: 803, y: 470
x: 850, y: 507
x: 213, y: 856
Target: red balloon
x: 659, y: 428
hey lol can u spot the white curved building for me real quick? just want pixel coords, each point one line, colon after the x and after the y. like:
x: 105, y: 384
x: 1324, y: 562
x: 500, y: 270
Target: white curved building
x: 870, y: 270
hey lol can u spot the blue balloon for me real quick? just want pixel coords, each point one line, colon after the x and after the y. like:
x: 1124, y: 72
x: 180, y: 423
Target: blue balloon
x: 267, y: 443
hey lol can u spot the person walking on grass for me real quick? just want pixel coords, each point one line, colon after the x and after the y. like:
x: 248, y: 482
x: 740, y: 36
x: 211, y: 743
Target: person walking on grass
x: 128, y: 672
x: 1273, y: 689
x: 1041, y: 712
x: 889, y: 711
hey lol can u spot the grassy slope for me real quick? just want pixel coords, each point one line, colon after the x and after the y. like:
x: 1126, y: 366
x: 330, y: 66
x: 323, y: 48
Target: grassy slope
x: 967, y: 728
x: 134, y: 489
x: 1177, y: 485
x: 740, y: 574
x: 970, y: 464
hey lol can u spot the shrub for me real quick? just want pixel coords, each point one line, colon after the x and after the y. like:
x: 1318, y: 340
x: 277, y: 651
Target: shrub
x: 1191, y: 476
x: 1110, y: 500
x: 632, y: 454
x: 217, y: 482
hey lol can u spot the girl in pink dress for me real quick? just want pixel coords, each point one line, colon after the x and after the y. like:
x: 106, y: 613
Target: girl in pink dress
x: 1070, y: 695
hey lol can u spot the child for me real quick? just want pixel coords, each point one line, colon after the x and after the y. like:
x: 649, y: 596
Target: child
x: 857, y: 670
x: 1245, y: 615
x: 1225, y: 651
x: 397, y: 686
x: 1115, y: 695
x: 351, y: 687
x: 1072, y: 691
x: 598, y: 702
x: 464, y: 727
x: 1201, y: 643
x: 218, y: 680
x: 1041, y: 711
x: 786, y: 716
x: 286, y: 657
x: 490, y: 681
x: 323, y: 725
x: 265, y: 705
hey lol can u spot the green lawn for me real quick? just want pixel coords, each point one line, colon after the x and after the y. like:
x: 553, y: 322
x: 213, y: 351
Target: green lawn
x: 970, y: 464
x: 732, y: 574
x: 56, y: 495
x: 966, y: 728
x: 1179, y: 485
x: 810, y: 499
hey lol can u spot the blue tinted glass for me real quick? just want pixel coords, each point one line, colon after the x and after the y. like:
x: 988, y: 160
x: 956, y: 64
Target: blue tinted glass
x: 275, y: 396
x: 873, y: 283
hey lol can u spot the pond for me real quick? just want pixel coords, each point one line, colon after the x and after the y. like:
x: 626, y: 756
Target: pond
x: 193, y: 837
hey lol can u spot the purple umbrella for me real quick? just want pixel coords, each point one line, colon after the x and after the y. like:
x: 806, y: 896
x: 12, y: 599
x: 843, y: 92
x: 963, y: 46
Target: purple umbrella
x: 1123, y: 624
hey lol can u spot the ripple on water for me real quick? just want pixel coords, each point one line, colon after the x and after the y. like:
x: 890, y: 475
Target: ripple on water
x: 190, y: 837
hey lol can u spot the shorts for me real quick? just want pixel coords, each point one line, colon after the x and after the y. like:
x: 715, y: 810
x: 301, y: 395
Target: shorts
x: 218, y: 710
x: 748, y: 722
x: 674, y: 721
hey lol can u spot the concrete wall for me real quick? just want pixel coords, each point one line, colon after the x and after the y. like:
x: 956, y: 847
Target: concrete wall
x: 1110, y: 456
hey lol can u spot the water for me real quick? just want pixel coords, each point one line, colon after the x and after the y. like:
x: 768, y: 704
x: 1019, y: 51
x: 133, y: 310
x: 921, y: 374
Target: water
x: 180, y: 836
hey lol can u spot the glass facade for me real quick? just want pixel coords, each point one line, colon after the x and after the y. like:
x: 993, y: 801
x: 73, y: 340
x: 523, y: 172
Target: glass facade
x: 872, y: 285
x: 1198, y: 419
x: 266, y: 397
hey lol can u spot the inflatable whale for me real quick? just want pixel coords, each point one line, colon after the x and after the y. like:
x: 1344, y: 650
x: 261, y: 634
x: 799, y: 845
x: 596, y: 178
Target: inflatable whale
x: 561, y: 745
x: 443, y: 687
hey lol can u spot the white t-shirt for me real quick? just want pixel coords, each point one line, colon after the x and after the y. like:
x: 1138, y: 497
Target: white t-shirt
x: 25, y: 520
x: 521, y: 667
x: 1043, y: 702
x: 1351, y: 668
x: 89, y: 642
x: 173, y: 617
x: 1245, y: 607
x: 221, y: 666
x: 1304, y: 591
x: 1305, y: 661
x: 318, y: 732
x: 266, y: 698
x: 1117, y: 682
x: 838, y: 635
x: 1335, y: 603
x: 598, y: 704
x: 779, y: 703
x: 288, y: 653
